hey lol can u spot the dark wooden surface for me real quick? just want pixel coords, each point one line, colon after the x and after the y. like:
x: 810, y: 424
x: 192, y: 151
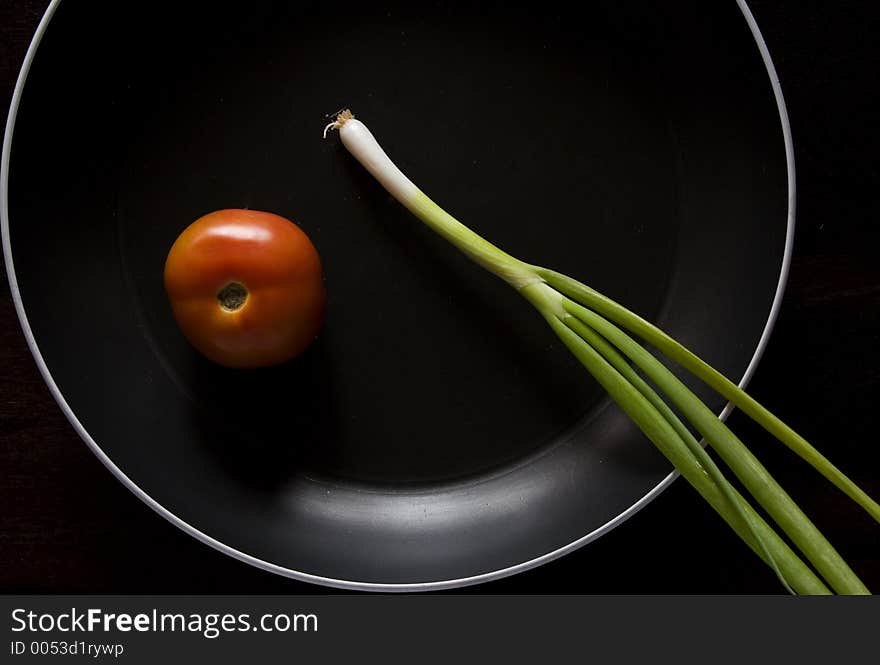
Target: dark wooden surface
x: 66, y: 525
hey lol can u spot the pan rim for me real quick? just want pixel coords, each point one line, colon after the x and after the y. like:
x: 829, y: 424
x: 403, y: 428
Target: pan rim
x: 355, y: 585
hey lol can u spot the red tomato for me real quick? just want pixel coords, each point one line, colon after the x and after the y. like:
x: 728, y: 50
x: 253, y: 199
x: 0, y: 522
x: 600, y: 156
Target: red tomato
x: 246, y: 287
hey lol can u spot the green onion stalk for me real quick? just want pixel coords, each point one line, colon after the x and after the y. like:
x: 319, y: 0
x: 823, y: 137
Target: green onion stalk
x: 604, y: 336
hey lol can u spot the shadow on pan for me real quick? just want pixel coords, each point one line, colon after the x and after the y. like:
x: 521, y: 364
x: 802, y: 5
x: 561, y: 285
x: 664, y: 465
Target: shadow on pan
x: 436, y: 430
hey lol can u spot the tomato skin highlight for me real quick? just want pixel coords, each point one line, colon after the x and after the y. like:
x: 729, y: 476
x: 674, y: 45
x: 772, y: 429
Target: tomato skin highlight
x: 278, y: 266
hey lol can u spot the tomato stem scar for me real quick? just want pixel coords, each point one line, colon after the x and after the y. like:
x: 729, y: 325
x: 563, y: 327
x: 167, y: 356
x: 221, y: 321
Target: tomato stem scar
x: 232, y: 296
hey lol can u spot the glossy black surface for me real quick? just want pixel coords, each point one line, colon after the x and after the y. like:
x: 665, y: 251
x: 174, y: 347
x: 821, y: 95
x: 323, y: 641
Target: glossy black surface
x: 436, y: 430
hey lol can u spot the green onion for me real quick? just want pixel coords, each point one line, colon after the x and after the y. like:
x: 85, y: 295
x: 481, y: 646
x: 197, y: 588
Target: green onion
x: 593, y: 327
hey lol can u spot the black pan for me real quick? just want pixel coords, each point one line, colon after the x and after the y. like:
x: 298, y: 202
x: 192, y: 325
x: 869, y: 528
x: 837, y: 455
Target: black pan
x: 436, y: 434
